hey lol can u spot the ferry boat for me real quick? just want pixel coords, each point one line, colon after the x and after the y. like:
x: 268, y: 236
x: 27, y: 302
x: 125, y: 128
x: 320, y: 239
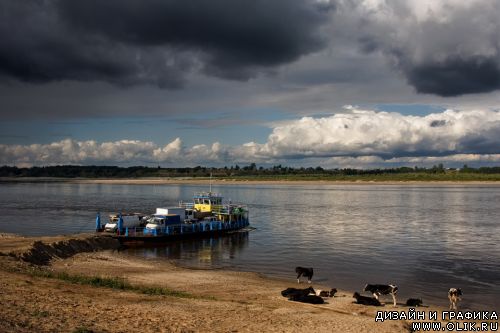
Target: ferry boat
x: 206, y: 215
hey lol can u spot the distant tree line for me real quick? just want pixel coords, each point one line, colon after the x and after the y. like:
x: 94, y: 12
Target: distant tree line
x: 92, y: 171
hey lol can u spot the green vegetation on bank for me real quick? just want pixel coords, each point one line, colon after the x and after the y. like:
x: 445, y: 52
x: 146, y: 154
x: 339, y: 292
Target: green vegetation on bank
x: 109, y: 282
x: 252, y: 172
x: 401, y: 177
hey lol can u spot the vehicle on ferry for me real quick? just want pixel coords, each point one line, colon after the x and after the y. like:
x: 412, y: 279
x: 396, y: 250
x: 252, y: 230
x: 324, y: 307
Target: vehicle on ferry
x: 129, y: 220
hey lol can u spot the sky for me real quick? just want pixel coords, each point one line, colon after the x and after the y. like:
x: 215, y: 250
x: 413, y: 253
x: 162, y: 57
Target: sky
x: 176, y: 83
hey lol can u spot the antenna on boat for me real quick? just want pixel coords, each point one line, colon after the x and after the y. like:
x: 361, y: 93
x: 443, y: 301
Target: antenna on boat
x: 210, y: 182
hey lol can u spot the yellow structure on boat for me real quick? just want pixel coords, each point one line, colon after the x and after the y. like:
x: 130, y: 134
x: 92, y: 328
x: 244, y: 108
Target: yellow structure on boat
x: 207, y: 202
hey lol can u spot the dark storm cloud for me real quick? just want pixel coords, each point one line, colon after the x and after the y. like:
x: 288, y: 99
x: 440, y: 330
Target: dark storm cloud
x: 154, y: 41
x: 446, y: 48
x: 455, y: 76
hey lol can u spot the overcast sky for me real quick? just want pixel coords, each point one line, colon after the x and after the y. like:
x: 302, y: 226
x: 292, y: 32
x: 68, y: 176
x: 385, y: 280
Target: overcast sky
x: 342, y: 83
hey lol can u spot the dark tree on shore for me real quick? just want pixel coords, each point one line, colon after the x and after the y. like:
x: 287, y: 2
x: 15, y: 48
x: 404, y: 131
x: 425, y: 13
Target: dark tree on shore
x: 92, y: 171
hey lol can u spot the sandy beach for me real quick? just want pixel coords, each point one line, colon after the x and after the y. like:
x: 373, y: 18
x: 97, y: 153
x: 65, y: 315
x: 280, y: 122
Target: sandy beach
x: 210, y: 300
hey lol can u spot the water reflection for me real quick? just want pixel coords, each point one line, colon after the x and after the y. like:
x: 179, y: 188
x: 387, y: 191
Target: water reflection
x: 203, y: 253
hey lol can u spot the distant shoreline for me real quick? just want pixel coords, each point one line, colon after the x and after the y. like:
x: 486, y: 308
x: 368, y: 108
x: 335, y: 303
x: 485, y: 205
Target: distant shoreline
x: 242, y: 181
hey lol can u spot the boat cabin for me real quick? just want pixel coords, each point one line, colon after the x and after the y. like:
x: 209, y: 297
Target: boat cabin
x: 207, y: 202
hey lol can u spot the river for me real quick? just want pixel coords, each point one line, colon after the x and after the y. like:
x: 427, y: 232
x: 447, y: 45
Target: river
x: 424, y: 238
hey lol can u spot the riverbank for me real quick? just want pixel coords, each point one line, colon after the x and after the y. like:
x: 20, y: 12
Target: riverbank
x: 201, y: 301
x: 106, y: 291
x: 242, y: 181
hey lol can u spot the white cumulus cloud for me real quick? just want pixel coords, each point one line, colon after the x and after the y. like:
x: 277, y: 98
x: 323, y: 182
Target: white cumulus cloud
x: 363, y: 138
x: 366, y: 132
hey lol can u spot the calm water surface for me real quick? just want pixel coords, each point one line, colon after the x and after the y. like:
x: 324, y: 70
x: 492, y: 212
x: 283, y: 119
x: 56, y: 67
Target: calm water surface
x: 425, y: 239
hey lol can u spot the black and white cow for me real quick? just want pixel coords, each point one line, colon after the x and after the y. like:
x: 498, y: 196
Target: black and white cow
x: 366, y: 300
x: 288, y: 292
x: 454, y: 297
x: 312, y: 299
x: 307, y: 295
x: 414, y: 302
x: 326, y: 293
x: 305, y: 272
x: 382, y: 289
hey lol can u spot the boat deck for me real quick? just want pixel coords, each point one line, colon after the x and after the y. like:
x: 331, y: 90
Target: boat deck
x: 185, y: 230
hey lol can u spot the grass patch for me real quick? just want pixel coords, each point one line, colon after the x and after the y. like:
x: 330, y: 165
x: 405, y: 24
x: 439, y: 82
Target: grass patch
x: 161, y: 291
x: 95, y: 281
x: 112, y: 283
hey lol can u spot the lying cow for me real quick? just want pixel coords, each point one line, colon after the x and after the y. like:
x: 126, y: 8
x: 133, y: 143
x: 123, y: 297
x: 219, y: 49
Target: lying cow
x: 366, y: 300
x: 415, y: 302
x: 289, y: 292
x: 326, y: 293
x: 312, y: 299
